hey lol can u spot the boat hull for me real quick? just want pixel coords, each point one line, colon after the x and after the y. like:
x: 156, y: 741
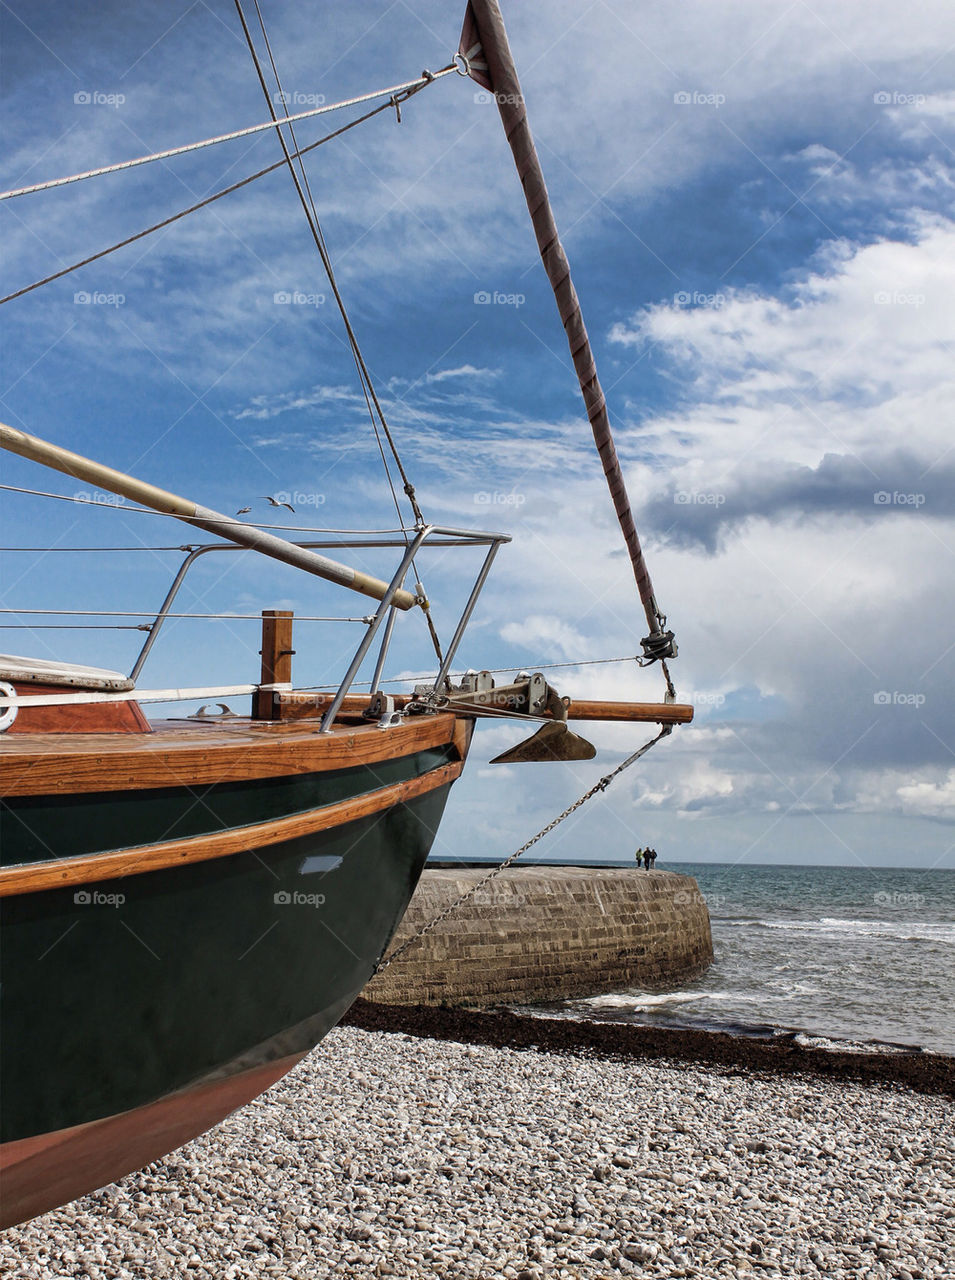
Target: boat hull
x: 142, y: 1007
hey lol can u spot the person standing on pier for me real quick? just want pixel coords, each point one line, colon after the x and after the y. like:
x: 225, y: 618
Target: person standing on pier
x: 653, y: 859
x: 646, y: 859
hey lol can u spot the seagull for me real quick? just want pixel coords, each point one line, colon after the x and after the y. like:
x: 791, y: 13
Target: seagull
x: 274, y: 502
x: 243, y: 511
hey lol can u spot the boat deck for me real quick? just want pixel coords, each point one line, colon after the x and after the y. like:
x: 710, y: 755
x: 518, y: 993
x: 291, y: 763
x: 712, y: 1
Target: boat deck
x: 206, y: 751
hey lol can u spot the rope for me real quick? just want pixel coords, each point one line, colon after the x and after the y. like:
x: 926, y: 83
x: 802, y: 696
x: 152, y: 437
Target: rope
x: 600, y: 785
x: 201, y: 204
x: 393, y: 91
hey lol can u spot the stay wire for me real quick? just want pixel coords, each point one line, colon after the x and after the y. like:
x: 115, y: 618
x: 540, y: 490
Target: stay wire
x: 364, y: 378
x: 326, y: 261
x: 311, y: 216
x: 201, y: 204
x: 396, y: 94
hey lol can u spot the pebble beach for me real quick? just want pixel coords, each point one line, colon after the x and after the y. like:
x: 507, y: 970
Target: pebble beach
x: 388, y: 1154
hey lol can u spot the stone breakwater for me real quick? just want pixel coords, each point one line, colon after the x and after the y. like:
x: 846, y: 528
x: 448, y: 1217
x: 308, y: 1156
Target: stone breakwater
x: 546, y: 933
x: 389, y: 1155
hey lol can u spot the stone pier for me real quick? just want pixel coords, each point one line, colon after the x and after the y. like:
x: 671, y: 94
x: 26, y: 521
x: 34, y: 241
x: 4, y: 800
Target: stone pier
x: 545, y: 933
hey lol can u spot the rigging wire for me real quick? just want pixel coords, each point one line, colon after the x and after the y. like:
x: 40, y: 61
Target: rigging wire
x: 169, y: 515
x: 311, y: 216
x: 397, y: 90
x: 493, y: 671
x: 201, y: 204
x: 182, y: 546
x: 151, y: 613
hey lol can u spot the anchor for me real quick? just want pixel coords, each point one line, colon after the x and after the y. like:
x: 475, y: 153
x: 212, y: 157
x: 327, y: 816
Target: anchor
x: 554, y: 741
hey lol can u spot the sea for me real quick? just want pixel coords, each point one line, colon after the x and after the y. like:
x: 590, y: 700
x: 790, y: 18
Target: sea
x: 835, y: 954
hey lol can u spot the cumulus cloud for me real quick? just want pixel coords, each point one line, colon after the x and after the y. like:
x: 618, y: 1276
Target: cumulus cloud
x: 860, y: 488
x: 835, y: 399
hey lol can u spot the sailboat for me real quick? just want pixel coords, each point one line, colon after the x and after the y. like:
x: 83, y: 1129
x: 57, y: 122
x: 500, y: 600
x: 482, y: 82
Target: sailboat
x: 277, y: 849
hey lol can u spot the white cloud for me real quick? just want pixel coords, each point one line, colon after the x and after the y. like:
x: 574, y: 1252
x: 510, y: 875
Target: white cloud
x: 463, y: 371
x: 547, y: 635
x: 929, y: 799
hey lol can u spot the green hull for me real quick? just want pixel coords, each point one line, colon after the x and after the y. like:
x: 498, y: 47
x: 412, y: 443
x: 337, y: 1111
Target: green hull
x: 128, y: 990
x: 40, y: 828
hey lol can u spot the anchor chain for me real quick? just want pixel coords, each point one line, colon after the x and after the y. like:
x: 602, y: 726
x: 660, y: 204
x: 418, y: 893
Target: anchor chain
x: 601, y: 785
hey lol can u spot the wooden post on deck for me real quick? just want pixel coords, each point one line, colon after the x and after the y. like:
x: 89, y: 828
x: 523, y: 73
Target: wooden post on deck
x: 276, y: 662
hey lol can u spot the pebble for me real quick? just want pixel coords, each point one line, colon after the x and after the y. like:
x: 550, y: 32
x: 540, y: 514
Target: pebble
x: 387, y: 1155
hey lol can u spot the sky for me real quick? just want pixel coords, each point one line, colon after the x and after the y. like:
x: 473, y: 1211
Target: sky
x: 756, y: 199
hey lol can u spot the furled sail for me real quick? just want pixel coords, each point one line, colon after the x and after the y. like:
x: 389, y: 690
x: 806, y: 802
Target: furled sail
x: 486, y: 56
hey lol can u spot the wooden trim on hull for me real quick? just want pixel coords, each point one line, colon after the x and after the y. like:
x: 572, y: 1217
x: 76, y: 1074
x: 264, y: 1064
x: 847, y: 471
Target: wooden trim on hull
x: 41, y: 1173
x: 194, y: 754
x: 89, y: 869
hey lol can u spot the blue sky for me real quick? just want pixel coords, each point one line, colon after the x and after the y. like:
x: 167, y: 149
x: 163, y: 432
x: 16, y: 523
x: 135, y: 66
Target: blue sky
x: 756, y: 200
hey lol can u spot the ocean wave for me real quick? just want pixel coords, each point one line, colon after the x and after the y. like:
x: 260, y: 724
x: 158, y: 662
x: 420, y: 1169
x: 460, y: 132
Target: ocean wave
x: 901, y: 930
x: 637, y: 1000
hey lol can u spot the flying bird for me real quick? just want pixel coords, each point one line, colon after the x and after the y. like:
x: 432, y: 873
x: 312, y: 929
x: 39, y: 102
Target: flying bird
x: 274, y: 502
x: 243, y: 511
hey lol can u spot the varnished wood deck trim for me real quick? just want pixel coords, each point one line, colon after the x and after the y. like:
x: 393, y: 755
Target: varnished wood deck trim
x: 292, y: 706
x: 35, y: 877
x: 182, y: 754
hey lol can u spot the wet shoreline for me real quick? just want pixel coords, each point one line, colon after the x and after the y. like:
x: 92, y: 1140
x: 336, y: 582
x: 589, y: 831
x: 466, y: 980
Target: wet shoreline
x: 781, y: 1054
